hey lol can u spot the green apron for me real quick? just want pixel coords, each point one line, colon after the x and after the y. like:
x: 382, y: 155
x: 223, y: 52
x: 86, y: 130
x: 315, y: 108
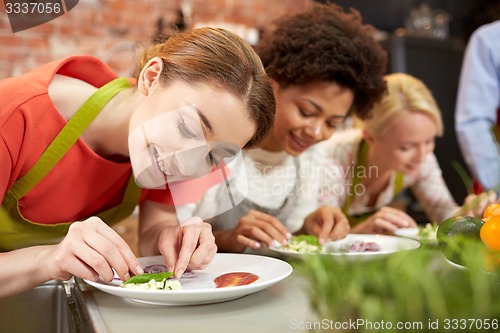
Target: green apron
x: 356, y: 180
x: 17, y: 231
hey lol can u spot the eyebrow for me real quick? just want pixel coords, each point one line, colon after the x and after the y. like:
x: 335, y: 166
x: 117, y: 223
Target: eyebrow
x: 205, y: 121
x: 320, y: 109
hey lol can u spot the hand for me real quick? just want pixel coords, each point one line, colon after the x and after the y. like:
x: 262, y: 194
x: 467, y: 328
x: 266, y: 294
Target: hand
x: 191, y: 244
x: 474, y: 205
x: 328, y: 223
x: 91, y: 249
x: 253, y: 229
x: 385, y: 220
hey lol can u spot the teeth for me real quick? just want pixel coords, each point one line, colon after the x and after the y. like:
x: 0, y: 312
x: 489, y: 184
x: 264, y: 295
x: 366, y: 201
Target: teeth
x: 161, y: 165
x: 159, y: 161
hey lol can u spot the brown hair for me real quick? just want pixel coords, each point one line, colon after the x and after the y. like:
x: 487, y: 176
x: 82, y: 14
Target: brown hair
x: 218, y: 56
x: 325, y: 44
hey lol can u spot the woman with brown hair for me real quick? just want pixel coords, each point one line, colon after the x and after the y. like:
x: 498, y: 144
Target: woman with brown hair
x: 75, y: 139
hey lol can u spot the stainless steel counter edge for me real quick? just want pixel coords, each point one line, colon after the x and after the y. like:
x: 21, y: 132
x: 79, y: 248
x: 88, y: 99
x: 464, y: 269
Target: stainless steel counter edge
x: 87, y: 317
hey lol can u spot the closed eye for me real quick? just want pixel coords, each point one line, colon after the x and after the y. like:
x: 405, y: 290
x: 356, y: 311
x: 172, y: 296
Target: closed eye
x: 184, y: 129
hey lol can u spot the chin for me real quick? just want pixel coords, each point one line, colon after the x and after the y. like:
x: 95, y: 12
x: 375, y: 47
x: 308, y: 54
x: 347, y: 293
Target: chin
x: 293, y: 152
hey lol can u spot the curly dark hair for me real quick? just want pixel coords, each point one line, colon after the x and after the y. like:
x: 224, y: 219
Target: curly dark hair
x: 325, y: 44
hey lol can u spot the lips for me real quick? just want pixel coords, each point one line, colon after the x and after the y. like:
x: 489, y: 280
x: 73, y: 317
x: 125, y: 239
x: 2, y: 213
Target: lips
x: 298, y: 144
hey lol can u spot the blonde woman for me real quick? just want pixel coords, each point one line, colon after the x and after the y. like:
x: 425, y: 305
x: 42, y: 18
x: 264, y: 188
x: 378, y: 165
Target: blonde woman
x: 366, y: 168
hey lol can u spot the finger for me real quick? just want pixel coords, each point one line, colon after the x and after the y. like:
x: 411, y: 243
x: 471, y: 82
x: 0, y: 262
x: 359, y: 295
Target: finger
x: 341, y: 227
x: 169, y: 249
x: 96, y: 262
x: 264, y: 233
x: 397, y: 217
x: 273, y: 233
x: 187, y: 247
x: 248, y: 242
x: 120, y: 253
x: 191, y: 221
x: 381, y: 225
x: 205, y: 251
x: 322, y: 225
x: 260, y: 216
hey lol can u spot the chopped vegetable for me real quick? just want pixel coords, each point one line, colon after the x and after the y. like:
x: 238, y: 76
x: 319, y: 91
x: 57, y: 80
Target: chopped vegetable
x: 304, y: 244
x: 154, y: 281
x: 428, y: 232
x: 143, y: 278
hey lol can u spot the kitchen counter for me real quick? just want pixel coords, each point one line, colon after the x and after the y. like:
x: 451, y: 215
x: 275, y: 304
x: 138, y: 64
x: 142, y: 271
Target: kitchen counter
x: 282, y: 307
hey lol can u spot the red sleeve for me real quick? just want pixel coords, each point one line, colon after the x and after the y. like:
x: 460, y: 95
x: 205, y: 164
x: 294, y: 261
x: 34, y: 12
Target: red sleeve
x: 160, y: 196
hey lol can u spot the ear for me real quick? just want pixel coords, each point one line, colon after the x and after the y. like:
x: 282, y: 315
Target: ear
x: 275, y: 85
x: 367, y: 136
x: 150, y: 74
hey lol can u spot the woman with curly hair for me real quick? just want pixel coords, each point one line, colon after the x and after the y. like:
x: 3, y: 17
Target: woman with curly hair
x: 324, y: 65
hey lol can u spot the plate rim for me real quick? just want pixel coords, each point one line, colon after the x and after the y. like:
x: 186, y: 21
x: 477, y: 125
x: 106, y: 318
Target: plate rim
x: 416, y: 242
x: 222, y: 293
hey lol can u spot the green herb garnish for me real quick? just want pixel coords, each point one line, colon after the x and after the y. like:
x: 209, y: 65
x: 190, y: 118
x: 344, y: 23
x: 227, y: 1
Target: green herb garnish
x: 145, y: 278
x: 309, y: 239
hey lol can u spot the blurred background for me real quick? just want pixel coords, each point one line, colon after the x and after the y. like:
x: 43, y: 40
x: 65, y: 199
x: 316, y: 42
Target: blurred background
x: 423, y: 38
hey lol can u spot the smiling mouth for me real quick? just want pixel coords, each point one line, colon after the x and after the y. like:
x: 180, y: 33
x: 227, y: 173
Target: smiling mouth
x: 298, y: 142
x: 158, y: 161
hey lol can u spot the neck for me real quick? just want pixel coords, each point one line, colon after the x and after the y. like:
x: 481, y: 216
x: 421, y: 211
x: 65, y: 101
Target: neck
x: 376, y: 172
x: 111, y: 127
x: 270, y: 143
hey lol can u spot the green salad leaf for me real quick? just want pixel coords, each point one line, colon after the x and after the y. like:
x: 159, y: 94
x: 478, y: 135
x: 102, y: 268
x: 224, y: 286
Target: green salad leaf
x: 145, y: 278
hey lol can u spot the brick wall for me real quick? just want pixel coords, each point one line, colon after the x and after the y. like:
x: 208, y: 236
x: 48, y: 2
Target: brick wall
x: 117, y: 30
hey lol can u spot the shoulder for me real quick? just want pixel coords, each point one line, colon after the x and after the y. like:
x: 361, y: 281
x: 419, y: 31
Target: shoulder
x: 486, y: 36
x: 343, y: 145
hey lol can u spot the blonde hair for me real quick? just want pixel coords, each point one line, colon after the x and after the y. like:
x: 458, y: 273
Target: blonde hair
x: 405, y: 93
x: 219, y: 57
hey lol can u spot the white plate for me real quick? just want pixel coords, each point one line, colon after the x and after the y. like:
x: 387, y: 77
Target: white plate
x: 388, y: 245
x: 414, y: 233
x: 199, y: 288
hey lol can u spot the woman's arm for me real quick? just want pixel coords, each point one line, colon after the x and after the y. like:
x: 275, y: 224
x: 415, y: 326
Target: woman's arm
x: 91, y: 249
x: 432, y: 193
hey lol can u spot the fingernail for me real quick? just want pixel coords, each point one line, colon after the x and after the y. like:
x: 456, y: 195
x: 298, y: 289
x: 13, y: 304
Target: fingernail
x: 179, y: 273
x: 276, y: 243
x: 139, y: 270
x: 321, y: 240
x: 288, y: 235
x: 126, y: 276
x: 257, y: 245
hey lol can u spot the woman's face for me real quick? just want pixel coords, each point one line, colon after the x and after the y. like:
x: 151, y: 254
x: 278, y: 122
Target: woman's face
x: 173, y: 130
x: 307, y: 114
x: 406, y: 143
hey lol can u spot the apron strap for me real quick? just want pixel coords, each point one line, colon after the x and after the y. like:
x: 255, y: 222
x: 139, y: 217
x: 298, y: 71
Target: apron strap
x: 361, y: 163
x: 68, y: 136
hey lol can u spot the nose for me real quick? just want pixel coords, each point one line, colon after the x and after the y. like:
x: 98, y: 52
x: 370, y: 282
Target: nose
x: 421, y: 153
x: 193, y: 162
x: 316, y: 131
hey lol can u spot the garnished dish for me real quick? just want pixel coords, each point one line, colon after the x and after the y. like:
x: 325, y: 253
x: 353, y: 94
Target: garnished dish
x: 304, y: 244
x: 229, y: 276
x: 352, y: 247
